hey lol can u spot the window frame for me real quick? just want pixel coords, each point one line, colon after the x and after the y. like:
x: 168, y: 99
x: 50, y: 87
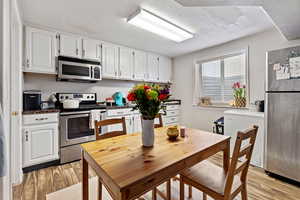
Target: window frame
x: 221, y: 58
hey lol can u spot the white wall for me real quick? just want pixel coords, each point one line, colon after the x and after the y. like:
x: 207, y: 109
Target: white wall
x: 49, y: 85
x: 5, y: 187
x: 184, y: 65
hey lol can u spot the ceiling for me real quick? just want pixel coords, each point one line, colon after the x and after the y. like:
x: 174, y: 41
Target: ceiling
x: 105, y: 20
x: 285, y: 14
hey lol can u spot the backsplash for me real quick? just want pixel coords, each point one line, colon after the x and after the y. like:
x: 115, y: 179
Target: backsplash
x: 48, y: 85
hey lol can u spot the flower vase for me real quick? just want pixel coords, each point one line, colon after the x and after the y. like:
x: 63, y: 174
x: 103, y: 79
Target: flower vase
x: 240, y: 102
x: 148, y: 132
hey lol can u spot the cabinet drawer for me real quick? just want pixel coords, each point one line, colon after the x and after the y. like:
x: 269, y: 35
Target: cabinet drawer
x: 119, y: 112
x: 170, y: 120
x: 40, y: 118
x: 171, y: 113
x: 173, y: 107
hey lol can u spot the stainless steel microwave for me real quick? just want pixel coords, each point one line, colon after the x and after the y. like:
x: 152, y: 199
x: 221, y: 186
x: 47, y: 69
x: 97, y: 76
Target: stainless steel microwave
x: 78, y: 69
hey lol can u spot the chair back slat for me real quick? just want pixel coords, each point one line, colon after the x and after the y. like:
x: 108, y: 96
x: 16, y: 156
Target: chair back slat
x: 160, y: 124
x: 245, y: 150
x: 107, y: 122
x: 242, y: 169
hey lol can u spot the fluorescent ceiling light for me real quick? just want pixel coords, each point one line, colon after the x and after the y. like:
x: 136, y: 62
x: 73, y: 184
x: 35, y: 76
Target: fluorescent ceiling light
x: 155, y: 24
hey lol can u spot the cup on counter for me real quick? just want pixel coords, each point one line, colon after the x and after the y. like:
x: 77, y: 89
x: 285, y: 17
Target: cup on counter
x: 182, y: 131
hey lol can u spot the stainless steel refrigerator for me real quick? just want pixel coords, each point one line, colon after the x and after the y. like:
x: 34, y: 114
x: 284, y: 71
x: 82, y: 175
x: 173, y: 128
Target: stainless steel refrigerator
x: 282, y: 122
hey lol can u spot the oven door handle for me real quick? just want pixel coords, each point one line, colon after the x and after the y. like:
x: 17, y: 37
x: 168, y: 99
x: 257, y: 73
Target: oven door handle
x: 74, y: 116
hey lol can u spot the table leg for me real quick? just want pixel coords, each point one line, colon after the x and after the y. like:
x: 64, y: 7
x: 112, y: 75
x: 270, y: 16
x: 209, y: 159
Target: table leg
x: 154, y: 191
x: 169, y: 189
x: 100, y: 189
x: 226, y: 156
x: 85, y: 178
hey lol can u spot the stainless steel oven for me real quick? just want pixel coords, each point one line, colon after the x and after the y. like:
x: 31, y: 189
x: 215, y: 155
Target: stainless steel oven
x: 78, y: 69
x: 74, y: 130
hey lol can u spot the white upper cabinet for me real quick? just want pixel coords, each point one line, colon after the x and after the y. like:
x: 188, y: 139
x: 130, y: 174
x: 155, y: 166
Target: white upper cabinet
x: 91, y: 49
x: 70, y: 45
x: 125, y: 63
x: 110, y: 61
x: 139, y: 65
x: 152, y: 67
x: 41, y: 50
x: 165, y: 69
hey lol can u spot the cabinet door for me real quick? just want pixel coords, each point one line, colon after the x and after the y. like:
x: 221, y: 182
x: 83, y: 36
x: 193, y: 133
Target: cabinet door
x: 70, y: 45
x: 129, y: 124
x: 91, y: 49
x: 165, y: 69
x: 125, y: 63
x: 152, y: 67
x: 41, y: 50
x: 137, y: 123
x: 139, y: 65
x: 40, y: 144
x: 109, y: 60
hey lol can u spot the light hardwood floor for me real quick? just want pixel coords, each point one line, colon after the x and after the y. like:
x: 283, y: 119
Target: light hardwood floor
x: 37, y: 184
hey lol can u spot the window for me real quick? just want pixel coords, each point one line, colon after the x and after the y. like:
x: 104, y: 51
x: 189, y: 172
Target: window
x: 218, y: 75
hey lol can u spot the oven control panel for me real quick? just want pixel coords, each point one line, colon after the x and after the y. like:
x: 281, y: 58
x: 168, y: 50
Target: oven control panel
x: 79, y: 96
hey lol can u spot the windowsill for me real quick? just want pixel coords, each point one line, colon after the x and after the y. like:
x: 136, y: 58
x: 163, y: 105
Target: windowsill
x: 220, y: 107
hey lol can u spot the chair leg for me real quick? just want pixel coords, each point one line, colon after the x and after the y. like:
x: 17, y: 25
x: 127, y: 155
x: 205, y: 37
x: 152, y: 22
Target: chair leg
x: 244, y: 192
x: 181, y: 192
x: 154, y: 194
x: 99, y: 190
x: 204, y: 196
x: 168, y: 189
x: 190, y: 191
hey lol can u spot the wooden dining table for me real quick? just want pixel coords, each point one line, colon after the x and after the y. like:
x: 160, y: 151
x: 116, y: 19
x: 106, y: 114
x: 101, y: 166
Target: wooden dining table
x: 128, y: 170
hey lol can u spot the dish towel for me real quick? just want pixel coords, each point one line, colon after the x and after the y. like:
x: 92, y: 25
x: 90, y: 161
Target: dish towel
x: 2, y: 146
x: 95, y: 115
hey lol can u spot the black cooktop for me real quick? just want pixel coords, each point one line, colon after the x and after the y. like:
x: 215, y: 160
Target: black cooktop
x: 84, y: 107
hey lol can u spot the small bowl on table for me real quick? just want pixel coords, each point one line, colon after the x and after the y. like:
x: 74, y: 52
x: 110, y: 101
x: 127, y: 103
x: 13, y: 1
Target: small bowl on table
x: 173, y: 132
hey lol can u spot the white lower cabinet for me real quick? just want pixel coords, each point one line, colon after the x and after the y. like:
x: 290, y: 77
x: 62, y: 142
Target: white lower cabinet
x: 40, y: 144
x: 137, y: 123
x: 240, y: 120
x: 171, y: 116
x: 40, y: 138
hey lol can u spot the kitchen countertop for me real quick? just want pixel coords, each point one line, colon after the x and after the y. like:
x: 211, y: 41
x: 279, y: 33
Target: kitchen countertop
x: 245, y: 113
x: 119, y: 107
x: 30, y: 112
x: 104, y: 107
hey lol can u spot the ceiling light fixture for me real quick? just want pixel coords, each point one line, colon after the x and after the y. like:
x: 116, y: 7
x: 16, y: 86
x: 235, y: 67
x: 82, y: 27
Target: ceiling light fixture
x: 155, y: 24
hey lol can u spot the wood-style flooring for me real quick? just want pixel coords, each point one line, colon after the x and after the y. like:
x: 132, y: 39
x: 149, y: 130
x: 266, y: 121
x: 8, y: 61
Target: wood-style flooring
x: 37, y: 184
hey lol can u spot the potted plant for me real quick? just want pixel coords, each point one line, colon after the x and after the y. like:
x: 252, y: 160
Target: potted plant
x: 239, y: 93
x: 148, y: 100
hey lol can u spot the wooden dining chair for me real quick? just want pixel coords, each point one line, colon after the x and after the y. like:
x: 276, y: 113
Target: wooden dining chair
x: 156, y: 191
x: 160, y: 124
x: 213, y: 181
x: 108, y: 122
x: 97, y: 130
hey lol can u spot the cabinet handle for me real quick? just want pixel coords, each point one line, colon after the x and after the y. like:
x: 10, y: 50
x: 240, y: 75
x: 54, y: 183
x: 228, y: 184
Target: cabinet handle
x: 83, y: 52
x: 26, y: 136
x: 115, y: 73
x: 77, y: 52
x: 41, y: 119
x: 27, y: 62
x: 120, y: 73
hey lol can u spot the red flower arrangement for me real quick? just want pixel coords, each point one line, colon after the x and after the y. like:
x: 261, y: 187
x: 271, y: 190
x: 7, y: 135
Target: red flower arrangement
x: 148, y: 99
